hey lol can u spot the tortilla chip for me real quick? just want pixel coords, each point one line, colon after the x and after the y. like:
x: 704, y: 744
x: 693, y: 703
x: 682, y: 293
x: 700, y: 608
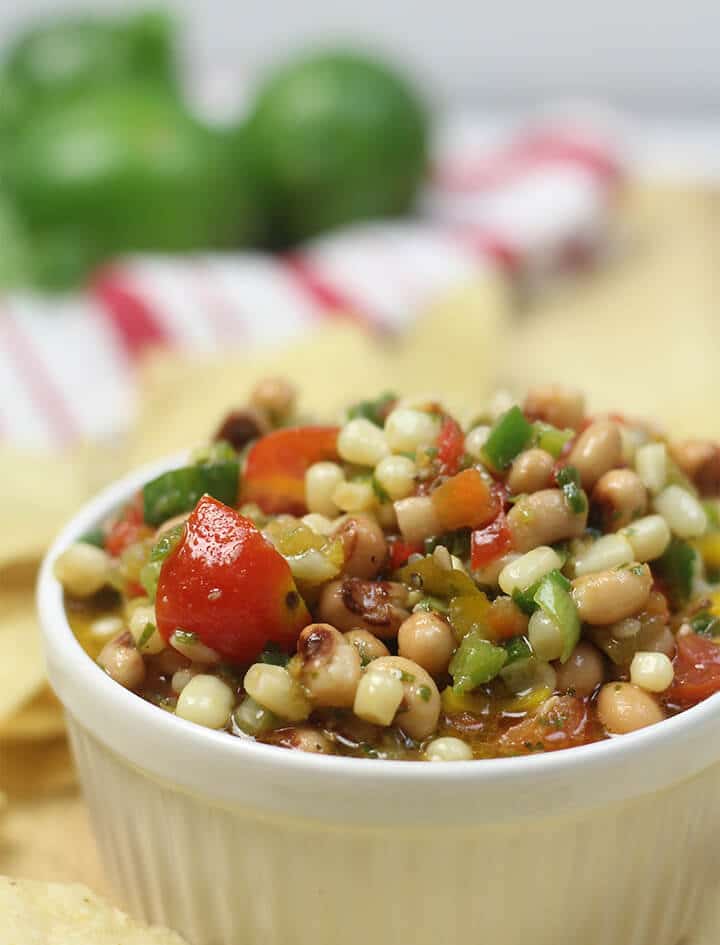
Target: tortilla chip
x: 453, y: 349
x: 641, y: 336
x: 40, y: 718
x: 35, y: 768
x: 55, y: 914
x: 22, y: 669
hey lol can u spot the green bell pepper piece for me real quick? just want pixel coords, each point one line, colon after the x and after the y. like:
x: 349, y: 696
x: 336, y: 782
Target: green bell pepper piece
x: 676, y: 568
x: 525, y: 600
x: 179, y: 490
x: 518, y: 648
x: 509, y: 436
x: 476, y: 661
x: 554, y: 598
x: 550, y: 438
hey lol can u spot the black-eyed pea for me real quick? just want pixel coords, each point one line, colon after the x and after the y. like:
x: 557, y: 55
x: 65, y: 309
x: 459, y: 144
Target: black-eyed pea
x: 583, y: 672
x: 623, y: 707
x: 597, y: 450
x: 122, y: 662
x: 301, y: 738
x: 355, y: 604
x: 367, y: 644
x: 329, y: 666
x: 418, y: 710
x: 531, y: 471
x: 561, y: 406
x: 274, y: 396
x: 428, y: 640
x: 619, y: 496
x: 606, y: 597
x: 364, y: 545
x: 543, y: 518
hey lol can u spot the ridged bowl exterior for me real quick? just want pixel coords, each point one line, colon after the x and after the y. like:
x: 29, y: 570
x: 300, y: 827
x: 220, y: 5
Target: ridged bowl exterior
x: 643, y: 872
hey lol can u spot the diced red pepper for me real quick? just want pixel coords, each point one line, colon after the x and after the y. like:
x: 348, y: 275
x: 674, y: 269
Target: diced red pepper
x: 226, y: 583
x: 451, y: 446
x: 489, y: 543
x: 400, y: 551
x: 464, y: 501
x: 274, y: 475
x: 697, y: 671
x: 128, y: 528
x: 563, y: 725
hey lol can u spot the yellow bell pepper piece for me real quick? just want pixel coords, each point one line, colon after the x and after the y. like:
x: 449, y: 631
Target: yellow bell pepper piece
x: 709, y: 548
x: 527, y: 702
x: 454, y: 703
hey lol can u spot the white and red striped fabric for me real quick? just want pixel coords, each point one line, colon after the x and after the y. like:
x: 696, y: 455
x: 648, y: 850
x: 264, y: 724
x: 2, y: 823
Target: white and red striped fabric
x: 525, y: 203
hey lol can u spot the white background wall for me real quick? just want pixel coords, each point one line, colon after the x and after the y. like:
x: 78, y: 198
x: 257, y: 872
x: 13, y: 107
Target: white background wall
x: 650, y: 54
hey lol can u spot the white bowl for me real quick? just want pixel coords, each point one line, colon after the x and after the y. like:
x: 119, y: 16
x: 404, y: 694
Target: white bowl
x: 236, y: 843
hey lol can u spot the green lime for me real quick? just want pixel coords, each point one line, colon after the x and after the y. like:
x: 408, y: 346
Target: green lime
x: 339, y: 137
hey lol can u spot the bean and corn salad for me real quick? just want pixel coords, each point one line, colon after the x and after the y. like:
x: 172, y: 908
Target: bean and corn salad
x: 402, y: 587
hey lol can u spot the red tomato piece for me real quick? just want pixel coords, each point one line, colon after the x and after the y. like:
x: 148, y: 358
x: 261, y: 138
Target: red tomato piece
x: 225, y: 582
x: 564, y: 724
x: 465, y: 501
x: 276, y: 466
x: 451, y: 446
x: 489, y: 543
x: 697, y: 671
x: 401, y: 550
x: 128, y: 528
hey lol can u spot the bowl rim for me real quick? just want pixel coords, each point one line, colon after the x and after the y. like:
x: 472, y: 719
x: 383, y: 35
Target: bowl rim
x: 366, y: 790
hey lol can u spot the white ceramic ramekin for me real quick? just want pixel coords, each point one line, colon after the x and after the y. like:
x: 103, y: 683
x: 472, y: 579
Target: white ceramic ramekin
x: 235, y: 843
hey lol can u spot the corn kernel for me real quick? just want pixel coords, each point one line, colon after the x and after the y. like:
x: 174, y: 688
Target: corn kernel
x: 682, y: 511
x: 448, y: 748
x: 396, y: 475
x: 648, y: 537
x: 362, y: 443
x: 378, y: 697
x: 82, y: 569
x: 206, y: 700
x: 651, y: 466
x: 274, y: 688
x: 528, y: 569
x: 609, y: 551
x: 476, y: 440
x: 321, y: 480
x: 354, y: 497
x: 651, y: 671
x: 406, y: 430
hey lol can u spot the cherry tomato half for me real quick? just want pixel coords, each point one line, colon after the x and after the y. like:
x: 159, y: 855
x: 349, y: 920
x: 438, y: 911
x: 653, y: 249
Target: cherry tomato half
x: 226, y: 583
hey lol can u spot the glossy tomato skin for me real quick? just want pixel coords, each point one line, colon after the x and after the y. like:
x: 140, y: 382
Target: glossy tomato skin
x: 275, y: 470
x: 128, y: 528
x: 451, y: 446
x: 225, y: 582
x: 697, y: 671
x: 565, y: 724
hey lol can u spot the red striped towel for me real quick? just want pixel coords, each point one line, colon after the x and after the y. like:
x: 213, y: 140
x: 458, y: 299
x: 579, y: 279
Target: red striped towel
x: 528, y: 202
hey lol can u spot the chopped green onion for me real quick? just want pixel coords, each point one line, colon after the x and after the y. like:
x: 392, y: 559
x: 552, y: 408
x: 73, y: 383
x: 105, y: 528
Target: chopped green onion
x: 525, y: 600
x: 550, y: 438
x: 218, y: 452
x: 509, y: 436
x: 150, y: 571
x: 518, y: 648
x: 712, y: 510
x: 553, y: 596
x: 274, y: 655
x: 145, y: 635
x: 430, y: 604
x: 373, y: 410
x: 705, y: 624
x: 568, y: 478
x: 179, y: 490
x: 676, y: 568
x: 95, y: 536
x: 476, y: 661
x: 457, y: 543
